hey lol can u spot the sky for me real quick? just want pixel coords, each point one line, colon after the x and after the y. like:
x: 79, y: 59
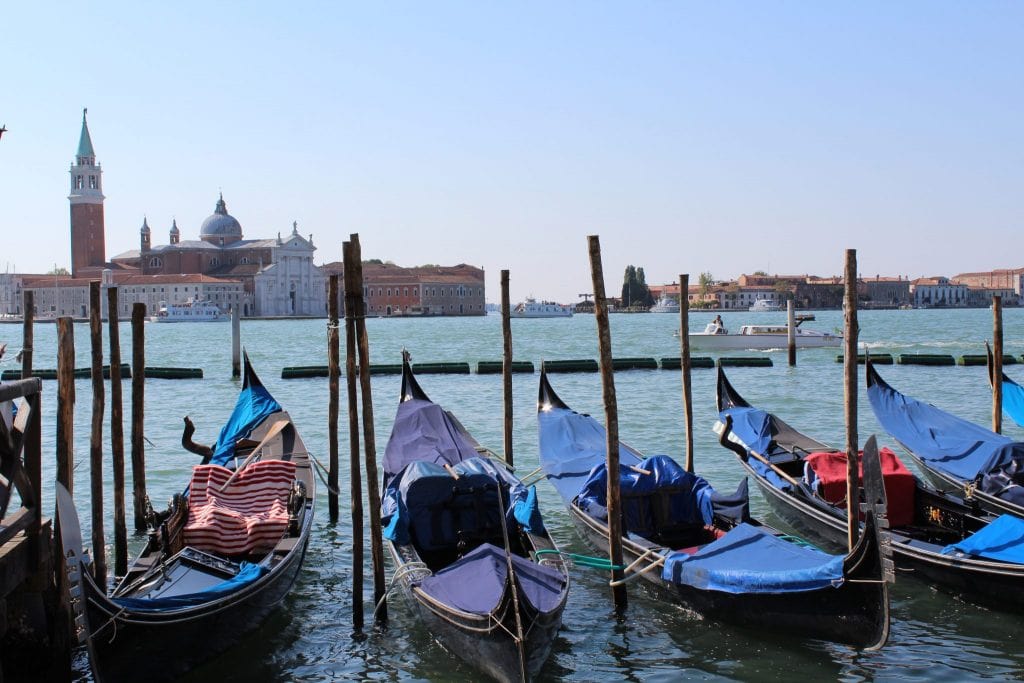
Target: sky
x: 719, y: 137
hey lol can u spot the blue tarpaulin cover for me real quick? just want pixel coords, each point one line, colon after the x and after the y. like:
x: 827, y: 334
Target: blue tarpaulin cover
x: 947, y: 443
x: 752, y: 426
x: 477, y: 582
x: 1002, y: 539
x: 253, y: 405
x: 248, y: 573
x: 424, y: 432
x: 1013, y: 400
x: 749, y: 560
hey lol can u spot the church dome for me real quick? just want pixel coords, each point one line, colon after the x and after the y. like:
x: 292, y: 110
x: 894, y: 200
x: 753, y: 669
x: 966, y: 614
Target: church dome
x: 221, y: 223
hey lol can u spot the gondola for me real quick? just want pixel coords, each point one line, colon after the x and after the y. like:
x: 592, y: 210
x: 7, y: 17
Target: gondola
x: 468, y: 543
x: 953, y: 453
x: 217, y: 561
x: 703, y: 549
x: 1013, y: 393
x: 935, y: 536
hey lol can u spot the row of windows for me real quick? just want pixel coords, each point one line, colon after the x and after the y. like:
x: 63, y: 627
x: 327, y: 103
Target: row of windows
x: 431, y: 291
x: 80, y: 182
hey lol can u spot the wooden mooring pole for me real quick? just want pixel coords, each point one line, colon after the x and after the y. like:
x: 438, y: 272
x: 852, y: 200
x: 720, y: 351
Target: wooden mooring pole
x: 684, y: 363
x: 850, y: 396
x: 236, y: 341
x: 28, y: 316
x: 369, y: 440
x: 333, y: 375
x: 791, y: 332
x: 66, y: 403
x: 138, y: 413
x: 997, y: 364
x: 117, y: 435
x: 33, y: 430
x: 352, y: 297
x: 611, y: 414
x: 99, y: 545
x: 506, y: 366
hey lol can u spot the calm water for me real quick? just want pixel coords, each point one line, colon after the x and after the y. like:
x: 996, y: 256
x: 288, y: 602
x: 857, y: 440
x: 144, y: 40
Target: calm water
x: 933, y: 636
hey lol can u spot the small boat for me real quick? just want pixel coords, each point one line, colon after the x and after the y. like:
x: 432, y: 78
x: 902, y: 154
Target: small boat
x: 952, y: 452
x: 765, y: 305
x: 468, y: 543
x: 531, y: 308
x: 937, y: 537
x: 665, y: 304
x: 217, y: 562
x: 1013, y: 393
x: 192, y: 311
x: 761, y: 337
x: 703, y: 550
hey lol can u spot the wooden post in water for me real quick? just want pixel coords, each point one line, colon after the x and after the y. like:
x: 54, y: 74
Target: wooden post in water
x: 66, y: 403
x: 138, y: 412
x: 99, y: 545
x: 369, y: 440
x: 997, y: 364
x: 684, y: 363
x: 506, y: 365
x: 28, y: 316
x: 611, y: 414
x: 850, y: 396
x: 791, y: 332
x: 117, y: 435
x: 33, y: 448
x: 352, y: 297
x: 334, y: 375
x: 236, y: 341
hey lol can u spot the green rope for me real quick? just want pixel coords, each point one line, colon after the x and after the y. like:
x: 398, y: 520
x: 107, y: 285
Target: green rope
x: 585, y: 560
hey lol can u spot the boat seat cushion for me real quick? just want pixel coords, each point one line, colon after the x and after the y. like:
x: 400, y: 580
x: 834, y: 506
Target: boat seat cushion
x: 825, y: 473
x: 249, y: 515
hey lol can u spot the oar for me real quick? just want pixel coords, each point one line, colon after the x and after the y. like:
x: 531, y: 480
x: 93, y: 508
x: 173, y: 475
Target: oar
x: 723, y: 439
x: 520, y: 641
x: 274, y: 431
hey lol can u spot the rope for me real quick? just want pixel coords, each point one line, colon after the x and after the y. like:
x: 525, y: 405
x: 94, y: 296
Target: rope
x: 407, y: 568
x: 584, y: 560
x: 322, y: 472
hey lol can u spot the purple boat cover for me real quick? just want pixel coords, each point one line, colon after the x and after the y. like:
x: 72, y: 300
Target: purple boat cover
x: 423, y: 433
x: 476, y: 583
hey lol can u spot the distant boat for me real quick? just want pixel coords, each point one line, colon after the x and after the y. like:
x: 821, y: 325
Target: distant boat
x: 665, y: 304
x: 765, y: 305
x: 192, y: 311
x: 760, y: 337
x: 531, y: 308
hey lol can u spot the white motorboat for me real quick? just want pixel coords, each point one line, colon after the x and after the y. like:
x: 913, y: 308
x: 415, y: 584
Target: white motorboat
x: 531, y: 308
x: 760, y: 337
x: 764, y: 305
x: 665, y: 304
x: 192, y: 311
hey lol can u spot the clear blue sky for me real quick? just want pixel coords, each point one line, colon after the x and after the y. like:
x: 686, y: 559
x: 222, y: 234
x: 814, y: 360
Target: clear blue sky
x: 718, y: 136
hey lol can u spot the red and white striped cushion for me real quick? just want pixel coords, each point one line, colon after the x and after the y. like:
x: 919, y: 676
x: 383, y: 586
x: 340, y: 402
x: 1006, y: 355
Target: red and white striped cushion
x: 250, y: 514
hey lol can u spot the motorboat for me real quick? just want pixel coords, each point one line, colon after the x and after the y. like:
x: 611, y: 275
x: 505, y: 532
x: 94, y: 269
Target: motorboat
x: 531, y: 308
x: 665, y: 304
x: 192, y: 311
x: 716, y: 337
x: 765, y: 305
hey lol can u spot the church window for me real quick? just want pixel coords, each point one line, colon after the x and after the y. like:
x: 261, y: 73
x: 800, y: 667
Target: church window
x: 389, y: 291
x: 405, y: 291
x: 92, y: 182
x: 156, y: 262
x: 243, y: 261
x: 414, y: 291
x: 215, y: 261
x: 78, y: 182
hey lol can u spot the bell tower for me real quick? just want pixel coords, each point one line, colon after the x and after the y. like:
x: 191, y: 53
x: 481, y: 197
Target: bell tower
x: 88, y: 242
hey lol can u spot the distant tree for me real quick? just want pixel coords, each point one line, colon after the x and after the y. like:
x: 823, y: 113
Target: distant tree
x: 628, y: 279
x: 61, y: 270
x: 760, y: 273
x: 705, y: 280
x: 635, y: 291
x: 429, y: 265
x: 374, y: 261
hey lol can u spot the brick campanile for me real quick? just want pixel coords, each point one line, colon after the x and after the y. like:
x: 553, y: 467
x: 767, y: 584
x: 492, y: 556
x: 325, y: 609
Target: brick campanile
x: 88, y: 242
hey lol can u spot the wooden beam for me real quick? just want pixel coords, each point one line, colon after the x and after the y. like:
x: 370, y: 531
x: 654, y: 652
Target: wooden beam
x: 850, y: 333
x: 684, y: 364
x: 506, y: 366
x: 117, y: 435
x: 66, y: 402
x: 99, y: 545
x: 997, y: 364
x: 352, y: 297
x: 138, y: 414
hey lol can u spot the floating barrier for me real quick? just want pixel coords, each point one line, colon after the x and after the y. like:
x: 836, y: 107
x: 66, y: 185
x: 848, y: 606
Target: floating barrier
x: 676, y: 363
x: 926, y: 359
x: 584, y: 365
x: 494, y: 367
x: 305, y: 371
x: 80, y: 373
x: 745, y: 362
x: 634, y: 364
x: 981, y: 359
x: 438, y: 368
x: 173, y: 373
x: 876, y: 358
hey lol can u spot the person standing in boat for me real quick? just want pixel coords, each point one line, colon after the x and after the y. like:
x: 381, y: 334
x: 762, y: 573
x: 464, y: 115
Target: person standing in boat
x: 719, y: 325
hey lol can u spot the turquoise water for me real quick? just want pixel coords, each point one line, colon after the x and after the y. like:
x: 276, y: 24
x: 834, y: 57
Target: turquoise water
x: 933, y: 636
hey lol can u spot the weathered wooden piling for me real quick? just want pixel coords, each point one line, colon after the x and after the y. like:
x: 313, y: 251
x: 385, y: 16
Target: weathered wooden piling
x: 66, y: 403
x: 138, y: 413
x: 685, y: 364
x: 28, y: 317
x: 611, y: 414
x: 334, y: 375
x: 33, y: 442
x: 506, y: 365
x: 850, y: 395
x: 99, y: 545
x: 236, y: 341
x: 352, y: 297
x: 117, y: 435
x: 791, y: 332
x: 997, y: 364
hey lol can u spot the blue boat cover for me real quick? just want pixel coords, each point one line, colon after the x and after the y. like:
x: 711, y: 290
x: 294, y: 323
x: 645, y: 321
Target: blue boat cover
x: 477, y: 582
x: 750, y: 560
x: 253, y: 405
x: 424, y: 432
x: 1013, y: 400
x: 689, y: 504
x: 248, y: 573
x: 425, y: 504
x: 953, y: 445
x: 752, y: 426
x: 1002, y: 539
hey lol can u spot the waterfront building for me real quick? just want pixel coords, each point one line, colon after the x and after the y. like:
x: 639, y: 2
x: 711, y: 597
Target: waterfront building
x: 1001, y: 279
x: 929, y: 292
x: 884, y: 292
x: 392, y: 290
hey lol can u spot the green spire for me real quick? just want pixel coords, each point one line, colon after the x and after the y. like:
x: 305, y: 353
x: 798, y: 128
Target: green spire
x: 85, y: 142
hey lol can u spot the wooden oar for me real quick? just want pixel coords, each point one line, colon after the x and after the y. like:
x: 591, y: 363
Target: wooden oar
x: 274, y: 431
x: 775, y: 468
